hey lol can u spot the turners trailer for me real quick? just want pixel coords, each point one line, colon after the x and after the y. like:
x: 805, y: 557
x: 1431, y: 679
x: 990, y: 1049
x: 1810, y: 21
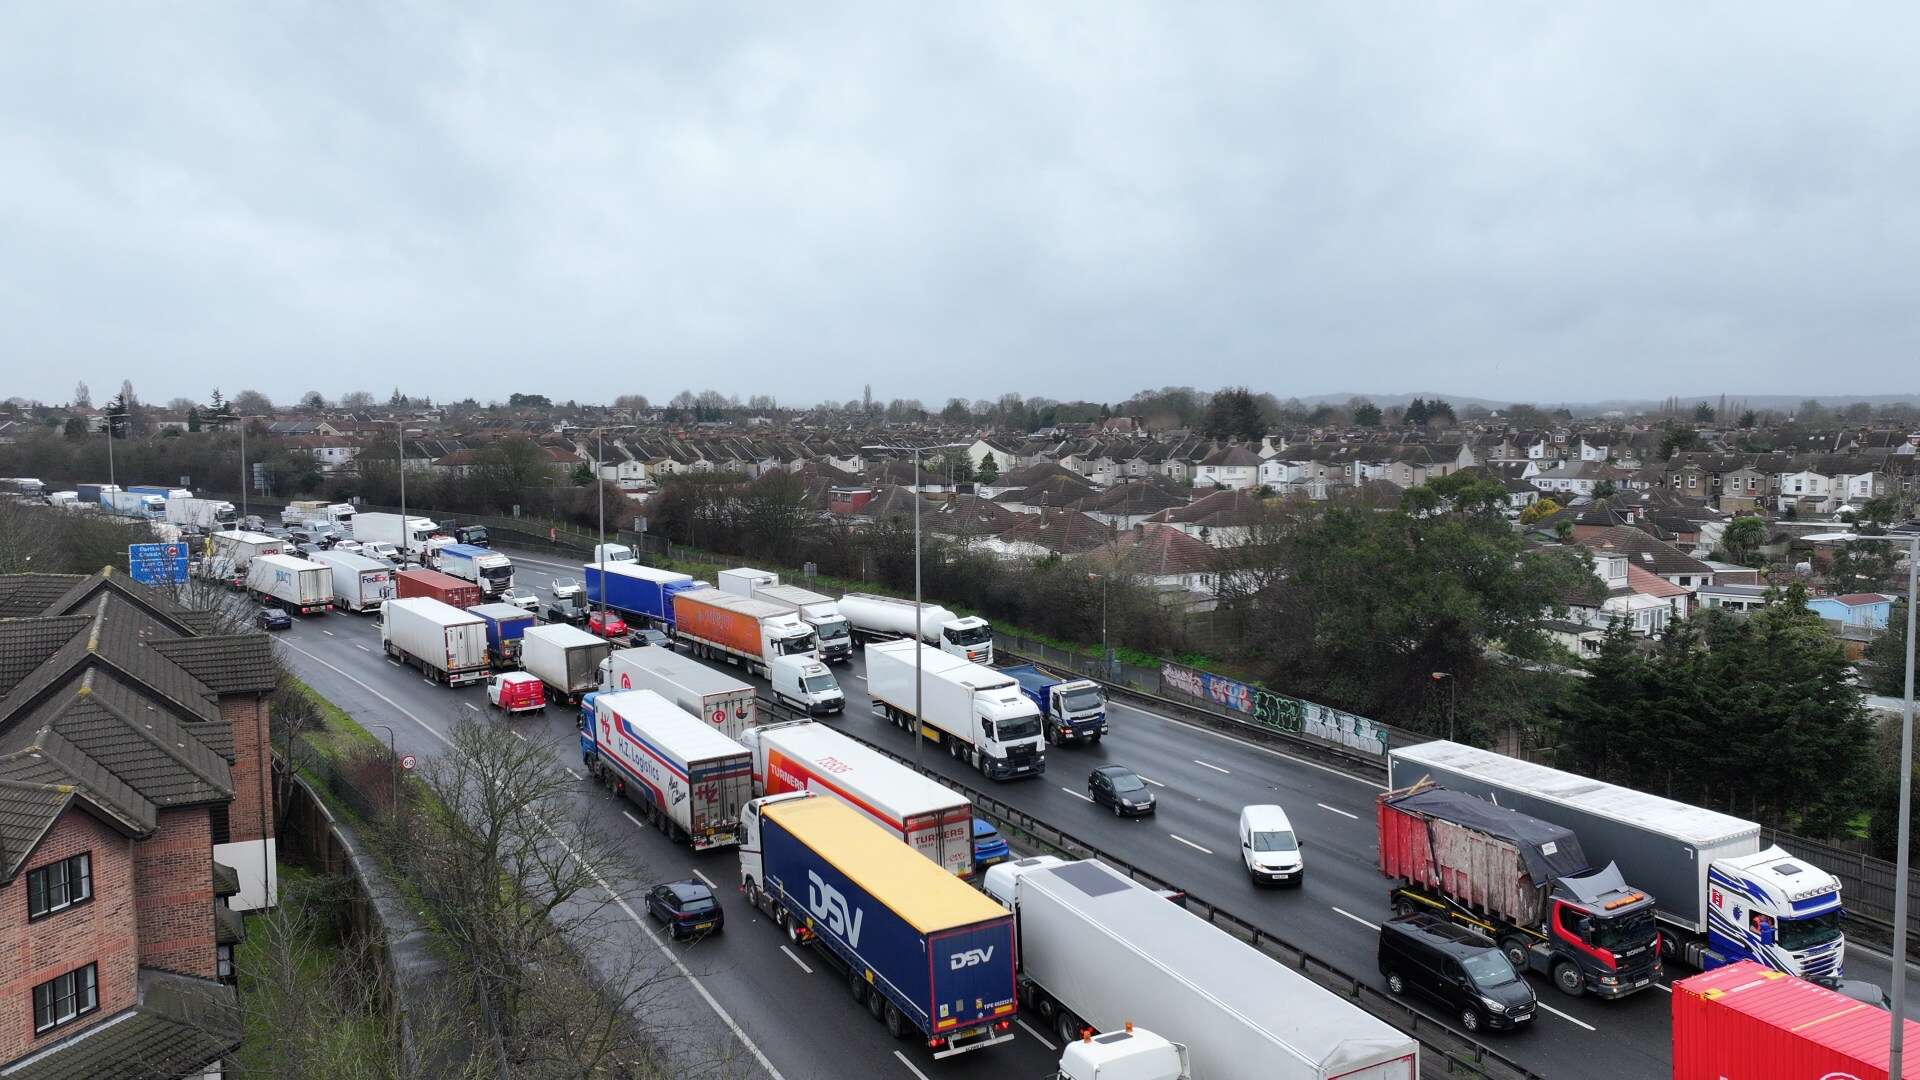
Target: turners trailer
x: 688, y: 778
x: 722, y: 700
x: 979, y: 714
x: 566, y: 658
x: 1099, y: 950
x: 887, y: 618
x: 924, y: 951
x: 1719, y: 894
x: 1523, y: 882
x: 299, y: 586
x: 800, y: 755
x: 447, y: 644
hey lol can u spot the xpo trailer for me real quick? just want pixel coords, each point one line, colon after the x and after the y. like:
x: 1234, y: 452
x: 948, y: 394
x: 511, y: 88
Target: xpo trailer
x: 295, y: 584
x: 724, y: 702
x: 979, y: 714
x: 1074, y: 710
x: 886, y: 618
x: 1100, y: 950
x: 1719, y: 895
x: 447, y: 644
x: 566, y: 658
x: 1747, y: 1022
x: 688, y: 778
x: 804, y: 756
x: 922, y: 950
x: 641, y: 593
x: 359, y: 583
x: 487, y: 568
x: 230, y: 552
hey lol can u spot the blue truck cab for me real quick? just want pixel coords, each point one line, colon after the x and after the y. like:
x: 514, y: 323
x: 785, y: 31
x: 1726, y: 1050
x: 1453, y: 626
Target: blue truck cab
x: 505, y: 624
x: 1071, y: 710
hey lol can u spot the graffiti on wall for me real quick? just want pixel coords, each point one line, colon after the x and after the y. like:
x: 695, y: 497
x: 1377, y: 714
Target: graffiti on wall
x: 1277, y: 711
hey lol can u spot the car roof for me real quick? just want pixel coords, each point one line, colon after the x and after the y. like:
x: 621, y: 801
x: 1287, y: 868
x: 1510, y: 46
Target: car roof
x: 689, y: 890
x: 1265, y: 816
x: 1115, y: 770
x: 982, y: 825
x: 1450, y: 938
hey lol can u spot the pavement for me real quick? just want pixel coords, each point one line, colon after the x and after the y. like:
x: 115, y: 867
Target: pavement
x: 1201, y: 777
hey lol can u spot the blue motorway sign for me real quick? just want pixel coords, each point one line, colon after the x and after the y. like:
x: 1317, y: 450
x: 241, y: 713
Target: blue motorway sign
x: 157, y: 564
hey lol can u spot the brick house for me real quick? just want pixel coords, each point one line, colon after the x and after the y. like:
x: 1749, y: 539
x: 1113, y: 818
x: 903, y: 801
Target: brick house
x: 135, y: 819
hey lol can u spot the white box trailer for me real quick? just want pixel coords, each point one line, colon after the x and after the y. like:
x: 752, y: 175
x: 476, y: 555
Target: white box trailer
x: 930, y: 818
x: 566, y: 658
x: 980, y: 715
x: 292, y: 583
x: 726, y: 704
x: 745, y: 580
x: 690, y: 779
x: 359, y: 583
x: 447, y: 644
x: 818, y: 611
x: 409, y: 537
x: 230, y: 550
x: 207, y: 514
x: 1098, y: 949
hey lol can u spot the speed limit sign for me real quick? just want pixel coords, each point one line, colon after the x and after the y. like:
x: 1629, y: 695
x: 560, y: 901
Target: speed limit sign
x: 407, y: 762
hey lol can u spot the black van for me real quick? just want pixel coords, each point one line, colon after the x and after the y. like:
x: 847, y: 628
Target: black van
x: 1457, y: 967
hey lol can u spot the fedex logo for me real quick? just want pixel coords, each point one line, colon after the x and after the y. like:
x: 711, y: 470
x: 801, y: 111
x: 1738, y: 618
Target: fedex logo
x: 830, y: 907
x: 970, y: 958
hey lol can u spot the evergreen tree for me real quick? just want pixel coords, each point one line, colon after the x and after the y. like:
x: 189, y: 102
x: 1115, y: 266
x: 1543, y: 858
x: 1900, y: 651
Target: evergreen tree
x: 1885, y: 661
x: 1366, y: 414
x: 1417, y: 413
x: 989, y: 470
x: 1234, y: 413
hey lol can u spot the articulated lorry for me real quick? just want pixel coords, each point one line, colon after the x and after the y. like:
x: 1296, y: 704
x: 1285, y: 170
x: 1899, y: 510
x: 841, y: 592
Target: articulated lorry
x: 1718, y: 894
x: 487, y: 568
x: 727, y: 705
x: 887, y: 618
x: 447, y: 644
x: 1100, y: 951
x: 815, y: 609
x: 204, y: 514
x: 801, y: 755
x: 566, y: 658
x: 1743, y: 1021
x: 166, y: 493
x: 922, y: 950
x: 689, y: 779
x: 978, y: 713
x: 360, y: 584
x: 1072, y: 710
x: 1523, y: 882
x: 759, y: 636
x: 230, y: 551
x: 290, y: 582
x: 506, y: 624
x: 134, y: 504
x: 442, y: 587
x: 639, y: 592
x: 413, y: 538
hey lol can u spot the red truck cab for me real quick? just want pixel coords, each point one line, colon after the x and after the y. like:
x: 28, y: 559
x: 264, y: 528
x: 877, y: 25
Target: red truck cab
x: 517, y: 692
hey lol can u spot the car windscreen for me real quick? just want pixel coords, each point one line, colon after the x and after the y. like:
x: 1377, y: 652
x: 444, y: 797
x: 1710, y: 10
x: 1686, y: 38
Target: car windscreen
x: 697, y: 905
x: 1127, y: 784
x: 819, y: 683
x: 1275, y: 840
x: 1488, y: 969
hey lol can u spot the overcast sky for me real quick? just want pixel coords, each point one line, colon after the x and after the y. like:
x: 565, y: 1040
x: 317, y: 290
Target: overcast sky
x: 1511, y: 201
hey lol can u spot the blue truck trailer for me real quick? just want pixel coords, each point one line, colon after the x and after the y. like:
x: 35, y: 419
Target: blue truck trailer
x: 1071, y: 710
x: 505, y: 624
x: 923, y: 951
x: 639, y: 592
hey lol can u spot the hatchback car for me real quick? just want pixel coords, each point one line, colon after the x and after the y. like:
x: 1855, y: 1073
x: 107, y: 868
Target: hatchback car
x: 1120, y: 789
x: 989, y: 847
x: 564, y: 588
x: 351, y: 547
x: 1857, y: 989
x: 520, y: 598
x: 686, y: 908
x: 1457, y: 967
x: 647, y: 635
x: 273, y: 618
x: 1269, y: 848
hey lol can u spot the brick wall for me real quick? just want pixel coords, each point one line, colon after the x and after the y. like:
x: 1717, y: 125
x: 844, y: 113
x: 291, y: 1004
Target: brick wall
x: 101, y: 932
x: 175, y: 894
x: 251, y: 784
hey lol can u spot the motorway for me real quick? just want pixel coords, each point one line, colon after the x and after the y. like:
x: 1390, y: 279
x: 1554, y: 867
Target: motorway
x: 1202, y: 779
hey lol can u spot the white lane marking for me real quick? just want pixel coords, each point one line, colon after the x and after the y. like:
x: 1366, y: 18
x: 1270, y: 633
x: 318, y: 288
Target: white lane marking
x: 1337, y: 810
x: 573, y: 774
x: 521, y: 735
x: 797, y: 960
x: 703, y: 877
x: 631, y: 818
x: 1215, y: 768
x: 1076, y: 794
x: 1664, y: 986
x: 329, y: 633
x: 1564, y: 1016
x: 1191, y: 844
x: 1224, y: 737
x: 361, y: 647
x: 470, y: 705
x: 862, y: 678
x: 1358, y: 919
x: 1044, y: 1041
x: 909, y: 1065
x: 1151, y: 780
x: 426, y: 680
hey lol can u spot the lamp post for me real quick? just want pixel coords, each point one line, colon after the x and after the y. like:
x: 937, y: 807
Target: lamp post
x: 600, y: 492
x: 111, y: 481
x: 1453, y: 697
x: 1895, y: 1040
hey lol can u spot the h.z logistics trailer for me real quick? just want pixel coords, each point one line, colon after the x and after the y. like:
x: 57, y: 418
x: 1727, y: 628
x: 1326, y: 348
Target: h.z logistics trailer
x: 690, y: 779
x: 924, y: 951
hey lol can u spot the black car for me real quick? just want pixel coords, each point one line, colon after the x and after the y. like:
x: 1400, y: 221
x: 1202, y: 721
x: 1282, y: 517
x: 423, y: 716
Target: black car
x: 647, y: 635
x: 273, y: 618
x: 1120, y: 788
x: 686, y: 907
x: 566, y: 612
x: 1457, y: 967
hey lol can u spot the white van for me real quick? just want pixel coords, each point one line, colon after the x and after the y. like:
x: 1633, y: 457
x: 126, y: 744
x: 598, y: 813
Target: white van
x: 807, y: 685
x: 1269, y: 847
x: 611, y: 553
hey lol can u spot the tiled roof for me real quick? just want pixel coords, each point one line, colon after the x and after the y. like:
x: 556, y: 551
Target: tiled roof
x: 228, y: 927
x: 181, y: 1025
x: 1231, y: 457
x: 155, y: 602
x: 39, y: 760
x: 1068, y: 532
x: 1858, y: 599
x: 1645, y: 551
x: 27, y: 811
x: 226, y: 880
x: 235, y: 664
x: 1158, y: 550
x: 32, y: 594
x: 25, y: 644
x: 1222, y: 508
x: 1647, y: 583
x: 111, y: 721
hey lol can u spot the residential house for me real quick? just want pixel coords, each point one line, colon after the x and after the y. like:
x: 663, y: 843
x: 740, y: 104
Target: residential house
x: 1805, y: 492
x: 1744, y: 490
x: 1651, y: 554
x: 1049, y: 532
x: 1221, y: 519
x: 1645, y: 583
x: 1570, y: 477
x: 1724, y: 596
x: 1233, y: 467
x: 1854, y: 609
x: 1003, y: 456
x: 1644, y: 615
x: 1164, y: 557
x: 1130, y: 502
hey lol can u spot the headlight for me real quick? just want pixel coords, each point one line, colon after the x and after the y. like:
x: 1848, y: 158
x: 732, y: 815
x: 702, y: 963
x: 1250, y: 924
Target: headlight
x: 1609, y: 980
x: 1493, y: 1006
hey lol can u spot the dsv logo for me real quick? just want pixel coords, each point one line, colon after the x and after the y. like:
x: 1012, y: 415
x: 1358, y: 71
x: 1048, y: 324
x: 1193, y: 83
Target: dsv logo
x: 970, y: 958
x: 830, y: 907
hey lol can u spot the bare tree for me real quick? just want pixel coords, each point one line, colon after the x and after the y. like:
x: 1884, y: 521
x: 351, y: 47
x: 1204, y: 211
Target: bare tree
x: 356, y: 400
x: 252, y: 403
x: 29, y: 539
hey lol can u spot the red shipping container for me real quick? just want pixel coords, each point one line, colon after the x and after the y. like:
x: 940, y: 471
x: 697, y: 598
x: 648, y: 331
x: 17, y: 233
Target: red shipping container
x: 1748, y: 1022
x: 1458, y: 861
x: 442, y: 587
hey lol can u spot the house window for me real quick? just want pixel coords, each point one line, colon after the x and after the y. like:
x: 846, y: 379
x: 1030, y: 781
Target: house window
x: 223, y: 962
x: 59, y: 886
x: 64, y: 998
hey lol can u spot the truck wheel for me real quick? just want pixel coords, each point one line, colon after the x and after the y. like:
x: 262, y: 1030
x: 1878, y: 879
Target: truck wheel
x: 792, y: 927
x: 1568, y: 978
x: 1516, y: 952
x: 876, y: 1006
x: 1067, y: 1026
x: 896, y: 1024
x: 857, y: 986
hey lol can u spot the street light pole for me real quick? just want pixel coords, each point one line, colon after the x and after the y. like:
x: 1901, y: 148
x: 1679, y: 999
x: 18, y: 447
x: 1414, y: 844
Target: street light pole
x: 1453, y: 698
x: 111, y: 481
x: 919, y: 726
x: 599, y: 456
x: 400, y: 444
x: 243, y: 469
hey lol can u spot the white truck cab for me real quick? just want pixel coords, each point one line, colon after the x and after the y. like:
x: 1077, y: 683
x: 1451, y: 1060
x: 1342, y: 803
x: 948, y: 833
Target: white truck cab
x: 1132, y: 1054
x: 611, y: 553
x: 999, y: 880
x: 806, y: 684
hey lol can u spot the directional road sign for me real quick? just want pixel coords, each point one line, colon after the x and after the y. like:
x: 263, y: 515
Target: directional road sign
x: 157, y: 564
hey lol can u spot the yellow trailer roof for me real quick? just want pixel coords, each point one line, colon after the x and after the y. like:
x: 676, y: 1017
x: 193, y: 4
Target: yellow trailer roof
x: 929, y: 898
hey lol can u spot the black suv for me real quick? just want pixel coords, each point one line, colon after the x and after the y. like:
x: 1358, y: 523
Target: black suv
x: 1456, y: 967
